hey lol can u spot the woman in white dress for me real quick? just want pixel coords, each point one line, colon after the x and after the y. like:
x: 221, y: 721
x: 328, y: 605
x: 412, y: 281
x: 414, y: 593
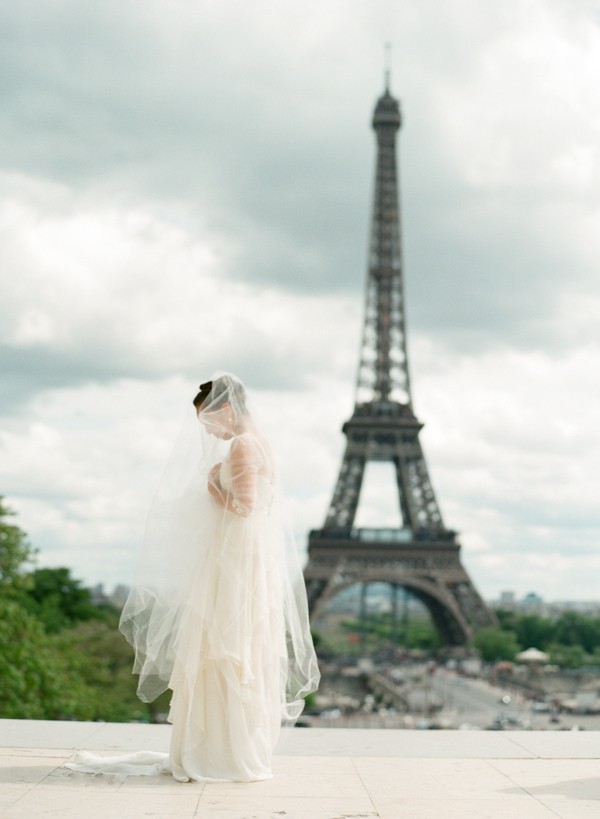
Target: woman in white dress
x: 218, y: 611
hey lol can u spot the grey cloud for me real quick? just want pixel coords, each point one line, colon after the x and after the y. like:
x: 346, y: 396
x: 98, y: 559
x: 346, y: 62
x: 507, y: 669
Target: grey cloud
x: 29, y: 372
x: 272, y: 158
x: 213, y: 149
x: 100, y: 97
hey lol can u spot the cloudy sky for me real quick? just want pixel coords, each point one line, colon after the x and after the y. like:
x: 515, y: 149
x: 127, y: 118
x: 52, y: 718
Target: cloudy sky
x: 185, y: 186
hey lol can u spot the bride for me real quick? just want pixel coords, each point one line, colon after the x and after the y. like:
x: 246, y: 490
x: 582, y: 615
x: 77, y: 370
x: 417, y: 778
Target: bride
x: 218, y: 611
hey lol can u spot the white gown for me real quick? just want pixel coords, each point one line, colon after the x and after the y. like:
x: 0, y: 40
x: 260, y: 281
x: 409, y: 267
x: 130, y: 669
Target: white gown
x: 230, y: 668
x: 226, y: 706
x: 218, y: 610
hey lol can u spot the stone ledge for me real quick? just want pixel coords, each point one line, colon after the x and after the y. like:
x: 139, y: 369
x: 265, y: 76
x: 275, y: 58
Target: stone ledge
x: 319, y: 774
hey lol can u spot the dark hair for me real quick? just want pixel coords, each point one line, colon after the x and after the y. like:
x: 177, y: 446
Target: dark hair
x: 223, y: 389
x: 203, y: 394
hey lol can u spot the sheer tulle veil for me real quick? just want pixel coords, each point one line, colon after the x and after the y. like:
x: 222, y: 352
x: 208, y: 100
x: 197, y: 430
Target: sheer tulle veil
x: 175, y: 576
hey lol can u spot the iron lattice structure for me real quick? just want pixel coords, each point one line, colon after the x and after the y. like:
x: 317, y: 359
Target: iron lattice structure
x: 422, y: 556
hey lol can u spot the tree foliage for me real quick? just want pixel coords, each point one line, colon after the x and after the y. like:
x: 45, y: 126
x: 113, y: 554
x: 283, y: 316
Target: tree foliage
x: 533, y: 630
x: 61, y: 657
x: 573, y: 629
x: 496, y: 644
x: 58, y: 599
x: 567, y: 656
x: 569, y: 628
x: 15, y: 554
x: 36, y: 681
x: 416, y: 633
x: 99, y: 654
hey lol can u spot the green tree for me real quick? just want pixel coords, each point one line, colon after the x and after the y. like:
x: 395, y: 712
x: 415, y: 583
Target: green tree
x: 534, y: 631
x: 15, y: 554
x: 99, y: 654
x: 496, y: 644
x: 58, y: 599
x: 506, y: 619
x: 574, y: 629
x: 36, y: 681
x: 566, y: 656
x: 50, y: 669
x: 420, y: 633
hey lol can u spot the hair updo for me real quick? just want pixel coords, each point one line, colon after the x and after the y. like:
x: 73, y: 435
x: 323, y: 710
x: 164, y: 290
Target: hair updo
x: 223, y: 390
x: 203, y: 394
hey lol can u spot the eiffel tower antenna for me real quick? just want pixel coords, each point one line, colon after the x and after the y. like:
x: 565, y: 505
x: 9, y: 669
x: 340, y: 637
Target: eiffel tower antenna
x: 388, y: 65
x: 422, y: 556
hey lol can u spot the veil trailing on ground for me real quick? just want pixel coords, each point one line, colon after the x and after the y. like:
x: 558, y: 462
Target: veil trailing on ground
x: 219, y: 500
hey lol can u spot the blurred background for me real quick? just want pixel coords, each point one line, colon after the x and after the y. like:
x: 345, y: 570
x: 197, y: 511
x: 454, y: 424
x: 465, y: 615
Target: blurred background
x: 186, y: 187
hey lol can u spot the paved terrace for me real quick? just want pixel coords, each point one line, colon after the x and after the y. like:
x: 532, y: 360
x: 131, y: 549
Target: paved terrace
x: 319, y: 774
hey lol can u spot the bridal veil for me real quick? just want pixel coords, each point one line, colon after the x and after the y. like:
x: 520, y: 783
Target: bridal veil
x: 221, y: 583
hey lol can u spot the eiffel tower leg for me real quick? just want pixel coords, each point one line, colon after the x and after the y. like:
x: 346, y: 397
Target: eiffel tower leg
x: 342, y: 510
x: 451, y: 631
x: 315, y: 588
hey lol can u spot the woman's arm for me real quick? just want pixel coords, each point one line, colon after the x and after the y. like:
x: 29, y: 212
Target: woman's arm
x: 243, y: 463
x: 244, y: 473
x: 215, y: 489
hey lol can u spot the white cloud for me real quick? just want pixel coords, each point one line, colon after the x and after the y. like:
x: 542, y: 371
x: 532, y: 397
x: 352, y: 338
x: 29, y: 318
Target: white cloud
x: 127, y: 292
x: 514, y: 449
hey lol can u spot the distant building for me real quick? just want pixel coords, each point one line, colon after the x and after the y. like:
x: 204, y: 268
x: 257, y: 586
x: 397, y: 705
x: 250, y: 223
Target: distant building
x: 532, y: 603
x: 97, y: 595
x: 507, y: 601
x: 119, y: 596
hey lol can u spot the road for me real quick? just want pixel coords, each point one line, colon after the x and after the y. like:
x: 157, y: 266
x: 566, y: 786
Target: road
x: 465, y: 702
x: 475, y: 702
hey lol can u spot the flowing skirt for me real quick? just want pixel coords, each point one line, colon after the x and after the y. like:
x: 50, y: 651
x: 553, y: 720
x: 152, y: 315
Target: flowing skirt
x: 228, y: 679
x: 242, y: 654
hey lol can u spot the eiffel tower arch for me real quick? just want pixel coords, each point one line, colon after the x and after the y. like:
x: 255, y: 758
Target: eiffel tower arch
x: 422, y: 556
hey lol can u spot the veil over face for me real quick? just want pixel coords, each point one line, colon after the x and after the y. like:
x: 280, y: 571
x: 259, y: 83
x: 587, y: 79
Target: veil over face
x: 218, y: 578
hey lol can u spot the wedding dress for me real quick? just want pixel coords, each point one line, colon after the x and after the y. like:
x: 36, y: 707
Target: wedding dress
x: 218, y: 613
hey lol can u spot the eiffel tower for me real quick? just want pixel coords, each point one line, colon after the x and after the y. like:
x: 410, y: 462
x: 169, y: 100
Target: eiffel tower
x: 422, y: 556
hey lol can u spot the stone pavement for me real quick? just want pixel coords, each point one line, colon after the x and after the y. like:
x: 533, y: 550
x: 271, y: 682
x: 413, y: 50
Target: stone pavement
x: 319, y: 774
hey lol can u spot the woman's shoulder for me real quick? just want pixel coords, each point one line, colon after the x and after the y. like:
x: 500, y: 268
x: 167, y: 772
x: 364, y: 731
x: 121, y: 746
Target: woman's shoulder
x: 249, y: 440
x: 249, y: 444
